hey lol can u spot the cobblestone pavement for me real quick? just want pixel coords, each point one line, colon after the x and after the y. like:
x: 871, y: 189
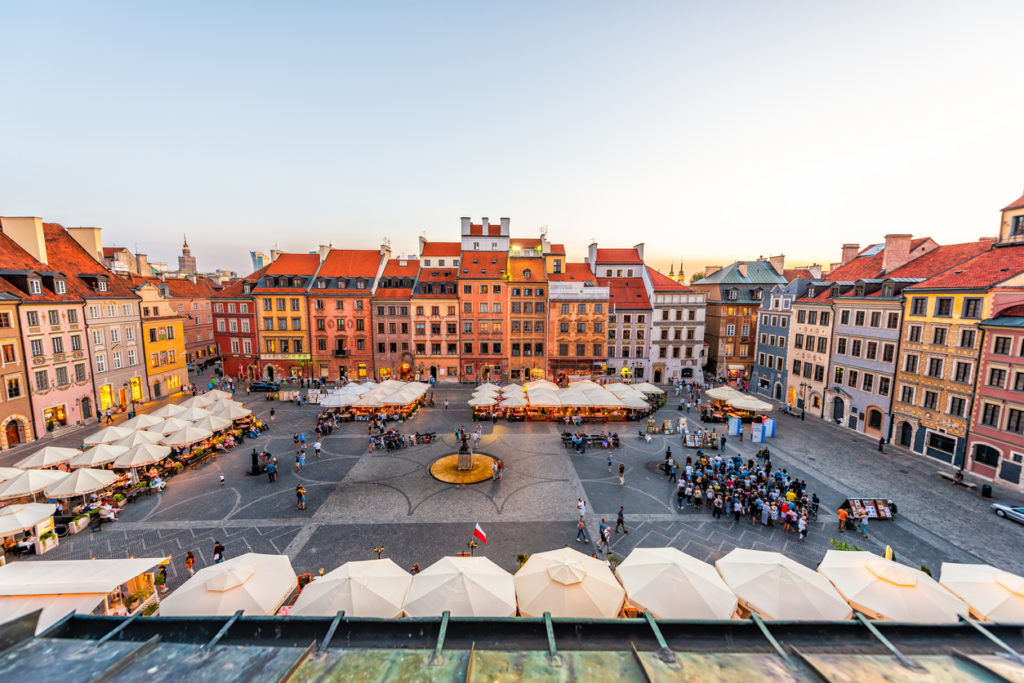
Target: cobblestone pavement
x: 358, y: 500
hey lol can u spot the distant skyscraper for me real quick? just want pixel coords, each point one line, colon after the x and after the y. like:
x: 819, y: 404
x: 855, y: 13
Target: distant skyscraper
x: 259, y: 259
x: 186, y: 262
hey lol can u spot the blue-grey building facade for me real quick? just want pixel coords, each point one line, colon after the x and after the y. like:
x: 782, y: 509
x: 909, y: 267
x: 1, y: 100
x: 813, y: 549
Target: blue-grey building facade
x: 768, y: 377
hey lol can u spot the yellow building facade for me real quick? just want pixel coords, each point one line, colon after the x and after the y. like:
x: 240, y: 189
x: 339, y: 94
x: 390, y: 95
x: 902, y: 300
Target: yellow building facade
x: 163, y: 338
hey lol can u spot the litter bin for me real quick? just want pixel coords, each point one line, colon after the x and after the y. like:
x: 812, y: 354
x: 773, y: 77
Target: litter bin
x: 986, y: 490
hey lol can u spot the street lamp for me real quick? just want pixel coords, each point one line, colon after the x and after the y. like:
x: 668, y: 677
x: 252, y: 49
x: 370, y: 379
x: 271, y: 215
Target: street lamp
x: 131, y: 397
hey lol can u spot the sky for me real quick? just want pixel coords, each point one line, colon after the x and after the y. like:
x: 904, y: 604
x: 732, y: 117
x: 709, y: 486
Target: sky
x: 711, y: 131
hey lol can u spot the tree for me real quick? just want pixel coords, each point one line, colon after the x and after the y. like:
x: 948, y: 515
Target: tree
x: 696, y: 276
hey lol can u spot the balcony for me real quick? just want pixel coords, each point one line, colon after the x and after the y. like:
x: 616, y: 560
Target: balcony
x: 341, y: 353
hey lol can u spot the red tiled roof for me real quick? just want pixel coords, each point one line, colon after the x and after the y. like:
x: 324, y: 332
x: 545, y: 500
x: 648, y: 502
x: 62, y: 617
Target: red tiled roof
x: 860, y: 267
x: 294, y: 264
x: 402, y: 293
x: 558, y: 249
x: 233, y: 290
x: 1019, y: 204
x: 444, y: 274
x: 493, y: 230
x: 177, y: 287
x: 111, y: 252
x: 350, y: 263
x: 518, y: 264
x: 435, y: 249
x: 790, y: 274
x: 626, y: 292
x: 574, y: 272
x: 13, y: 257
x: 941, y: 258
x: 394, y: 268
x: 618, y: 256
x: 483, y: 268
x: 663, y: 283
x: 984, y: 270
x: 74, y: 260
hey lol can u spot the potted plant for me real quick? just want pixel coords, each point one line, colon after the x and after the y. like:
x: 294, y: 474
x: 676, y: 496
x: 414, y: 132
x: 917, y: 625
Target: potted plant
x: 118, y: 498
x: 50, y: 424
x: 78, y: 523
x: 47, y: 542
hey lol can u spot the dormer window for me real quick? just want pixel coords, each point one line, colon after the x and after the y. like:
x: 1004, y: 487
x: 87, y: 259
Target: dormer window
x: 296, y: 282
x: 245, y: 287
x: 835, y: 291
x: 859, y: 289
x: 60, y: 287
x: 1017, y: 226
x: 756, y: 294
x: 526, y: 274
x: 100, y: 285
x: 888, y: 289
x: 811, y: 291
x: 732, y: 294
x: 361, y: 284
x: 35, y: 287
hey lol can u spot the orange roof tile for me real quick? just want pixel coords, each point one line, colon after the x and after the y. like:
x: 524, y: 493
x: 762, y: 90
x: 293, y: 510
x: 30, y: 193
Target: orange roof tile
x: 13, y: 257
x: 477, y: 229
x: 518, y: 264
x: 984, y: 270
x: 558, y: 249
x: 941, y: 258
x: 618, y: 256
x: 663, y: 283
x: 294, y: 264
x: 574, y: 272
x: 394, y: 268
x: 1019, y: 204
x: 436, y: 249
x: 626, y: 292
x: 233, y: 290
x: 350, y: 263
x: 62, y: 248
x: 790, y: 274
x: 483, y: 265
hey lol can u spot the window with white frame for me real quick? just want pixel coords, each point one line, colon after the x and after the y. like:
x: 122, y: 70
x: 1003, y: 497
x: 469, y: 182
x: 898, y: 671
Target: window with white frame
x: 116, y: 358
x: 132, y: 359
x: 97, y: 337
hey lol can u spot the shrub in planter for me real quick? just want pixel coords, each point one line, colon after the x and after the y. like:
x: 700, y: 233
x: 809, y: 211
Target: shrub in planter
x: 119, y: 497
x: 150, y: 609
x: 47, y: 537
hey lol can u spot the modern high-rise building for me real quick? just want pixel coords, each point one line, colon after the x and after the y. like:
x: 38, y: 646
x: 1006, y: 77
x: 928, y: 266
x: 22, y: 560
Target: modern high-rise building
x: 186, y: 262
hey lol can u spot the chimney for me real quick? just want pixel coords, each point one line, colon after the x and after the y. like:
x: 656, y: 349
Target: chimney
x: 815, y: 270
x: 142, y: 265
x: 385, y: 249
x: 591, y: 257
x: 325, y: 249
x: 163, y: 276
x: 711, y: 270
x: 27, y: 233
x: 423, y: 243
x: 897, y: 251
x: 274, y: 254
x: 778, y: 262
x: 485, y: 223
x: 742, y: 268
x: 505, y: 227
x: 91, y: 241
x: 466, y: 222
x: 191, y: 277
x: 639, y: 250
x: 849, y: 252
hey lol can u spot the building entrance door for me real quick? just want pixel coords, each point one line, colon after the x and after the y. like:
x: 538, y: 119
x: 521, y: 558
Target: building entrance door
x: 837, y: 408
x: 13, y: 433
x: 906, y: 434
x: 657, y: 376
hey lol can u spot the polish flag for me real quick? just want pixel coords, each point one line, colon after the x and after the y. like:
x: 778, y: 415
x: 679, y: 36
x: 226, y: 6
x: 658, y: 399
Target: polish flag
x: 479, y: 533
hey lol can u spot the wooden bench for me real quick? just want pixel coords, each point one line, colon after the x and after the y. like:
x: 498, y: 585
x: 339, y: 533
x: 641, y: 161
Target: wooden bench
x: 964, y: 482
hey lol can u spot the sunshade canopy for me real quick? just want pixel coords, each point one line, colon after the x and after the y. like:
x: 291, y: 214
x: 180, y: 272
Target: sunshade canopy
x: 255, y: 583
x: 776, y: 587
x: 670, y: 584
x: 98, y: 456
x: 234, y: 412
x: 142, y: 455
x: 482, y: 401
x: 567, y: 583
x: 187, y: 436
x: 47, y: 456
x: 17, y: 518
x: 169, y: 426
x: 992, y: 594
x: 169, y: 410
x: 465, y: 587
x: 81, y: 482
x: 9, y: 472
x: 107, y: 435
x: 29, y: 482
x: 368, y: 588
x: 724, y: 393
x: 143, y: 421
x: 883, y: 589
x: 214, y: 423
x: 648, y: 388
x: 514, y: 401
x: 744, y: 402
x: 193, y: 414
x: 138, y: 438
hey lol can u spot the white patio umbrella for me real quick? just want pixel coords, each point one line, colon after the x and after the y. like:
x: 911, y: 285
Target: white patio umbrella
x: 883, y: 589
x: 169, y: 426
x: 17, y: 518
x: 47, y: 456
x: 141, y: 455
x: 367, y: 588
x: 567, y: 583
x: 543, y: 398
x: 670, y: 584
x: 514, y: 401
x: 107, y: 435
x: 486, y: 391
x: 648, y: 388
x: 97, y: 456
x: 194, y: 402
x: 540, y: 384
x: 139, y: 437
x: 193, y: 414
x: 233, y: 413
x: 992, y: 594
x: 80, y: 483
x: 254, y: 583
x: 187, y: 436
x: 482, y: 401
x: 169, y: 410
x: 143, y: 421
x: 635, y: 402
x: 217, y: 395
x: 510, y: 389
x: 29, y: 483
x: 776, y: 587
x: 488, y: 386
x: 8, y: 472
x: 213, y: 423
x: 464, y: 586
x: 220, y: 405
x: 369, y: 400
x: 724, y: 393
x: 745, y: 402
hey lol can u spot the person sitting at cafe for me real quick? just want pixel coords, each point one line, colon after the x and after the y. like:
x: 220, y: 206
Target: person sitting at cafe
x: 107, y: 512
x: 157, y: 483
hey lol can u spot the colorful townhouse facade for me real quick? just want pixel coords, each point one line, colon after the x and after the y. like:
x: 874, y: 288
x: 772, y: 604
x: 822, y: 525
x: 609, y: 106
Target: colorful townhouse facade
x: 629, y: 320
x: 577, y: 324
x: 435, y: 311
x: 394, y: 346
x: 678, y: 314
x: 528, y: 315
x: 16, y: 425
x: 235, y: 327
x: 51, y: 320
x: 770, y: 376
x: 282, y: 314
x: 163, y: 340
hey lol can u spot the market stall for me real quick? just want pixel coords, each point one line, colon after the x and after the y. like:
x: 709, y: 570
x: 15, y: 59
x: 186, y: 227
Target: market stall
x: 872, y: 508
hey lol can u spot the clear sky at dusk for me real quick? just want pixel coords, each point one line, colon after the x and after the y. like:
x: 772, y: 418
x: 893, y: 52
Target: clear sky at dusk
x: 711, y: 131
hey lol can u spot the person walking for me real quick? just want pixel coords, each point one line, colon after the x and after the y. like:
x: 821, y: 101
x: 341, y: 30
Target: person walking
x: 881, y: 444
x: 494, y: 470
x: 108, y: 416
x: 272, y: 471
x: 864, y: 525
x: 190, y: 563
x: 581, y: 532
x: 843, y: 516
x: 272, y: 412
x: 620, y: 521
x: 622, y: 474
x: 446, y: 404
x: 801, y: 526
x: 609, y: 462
x: 221, y: 479
x: 606, y: 537
x: 316, y: 448
x: 581, y: 507
x: 300, y: 494
x: 218, y: 552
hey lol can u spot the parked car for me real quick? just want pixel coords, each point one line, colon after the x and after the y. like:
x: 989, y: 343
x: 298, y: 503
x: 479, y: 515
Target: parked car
x: 264, y: 386
x: 1016, y: 514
